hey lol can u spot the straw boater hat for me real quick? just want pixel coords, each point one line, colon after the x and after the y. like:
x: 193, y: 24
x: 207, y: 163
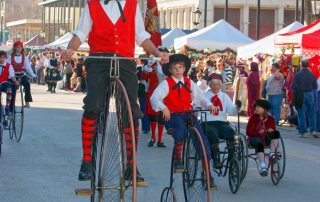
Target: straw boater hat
x: 176, y: 58
x: 263, y: 103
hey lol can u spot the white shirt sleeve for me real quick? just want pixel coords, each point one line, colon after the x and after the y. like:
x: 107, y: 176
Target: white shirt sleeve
x: 27, y: 67
x: 231, y: 108
x: 158, y: 95
x: 141, y: 33
x: 11, y: 72
x: 84, y: 25
x: 199, y: 98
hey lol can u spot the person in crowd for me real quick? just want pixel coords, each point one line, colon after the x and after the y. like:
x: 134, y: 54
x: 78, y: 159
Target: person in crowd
x: 33, y: 61
x: 220, y: 70
x: 304, y: 86
x: 274, y: 87
x: 73, y: 78
x: 142, y: 93
x: 6, y: 75
x: 110, y: 30
x: 241, y: 70
x: 175, y: 94
x: 208, y: 69
x: 253, y: 87
x: 192, y: 73
x: 40, y: 67
x: 80, y: 73
x: 68, y: 71
x: 52, y: 73
x: 156, y: 120
x: 318, y: 107
x: 78, y: 86
x: 202, y: 83
x: 261, y: 130
x: 228, y: 74
x: 21, y: 65
x: 217, y: 125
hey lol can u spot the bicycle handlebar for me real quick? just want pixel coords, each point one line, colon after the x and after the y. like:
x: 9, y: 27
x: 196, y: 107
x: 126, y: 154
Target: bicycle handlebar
x: 191, y: 111
x: 117, y: 58
x: 3, y: 82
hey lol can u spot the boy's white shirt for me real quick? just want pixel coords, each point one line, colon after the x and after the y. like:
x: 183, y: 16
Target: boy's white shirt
x: 11, y: 70
x: 162, y: 91
x: 227, y: 107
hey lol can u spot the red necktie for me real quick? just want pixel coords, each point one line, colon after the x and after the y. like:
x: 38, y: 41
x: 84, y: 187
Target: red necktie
x: 217, y: 103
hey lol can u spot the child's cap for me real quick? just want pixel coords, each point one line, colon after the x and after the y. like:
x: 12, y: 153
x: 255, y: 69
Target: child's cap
x: 176, y: 58
x: 265, y: 104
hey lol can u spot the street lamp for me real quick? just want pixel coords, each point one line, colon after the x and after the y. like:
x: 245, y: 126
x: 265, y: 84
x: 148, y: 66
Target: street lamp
x: 62, y: 31
x: 196, y: 17
x: 42, y: 34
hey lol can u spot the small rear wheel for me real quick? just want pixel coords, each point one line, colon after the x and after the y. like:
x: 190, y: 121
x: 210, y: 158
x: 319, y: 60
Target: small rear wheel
x: 234, y: 175
x: 168, y: 195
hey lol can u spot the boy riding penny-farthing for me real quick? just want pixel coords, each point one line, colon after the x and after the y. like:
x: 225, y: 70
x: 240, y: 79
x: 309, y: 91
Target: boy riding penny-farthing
x: 112, y: 27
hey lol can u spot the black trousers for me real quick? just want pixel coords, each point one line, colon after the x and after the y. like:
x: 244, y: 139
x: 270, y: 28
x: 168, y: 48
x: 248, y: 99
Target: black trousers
x: 97, y: 80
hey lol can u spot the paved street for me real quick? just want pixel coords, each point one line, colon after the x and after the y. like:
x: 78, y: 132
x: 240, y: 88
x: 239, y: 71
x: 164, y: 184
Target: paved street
x: 44, y: 166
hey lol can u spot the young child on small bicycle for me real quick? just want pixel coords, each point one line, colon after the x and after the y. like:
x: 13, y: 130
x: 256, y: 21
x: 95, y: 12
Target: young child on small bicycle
x: 261, y: 130
x: 175, y: 94
x: 6, y: 76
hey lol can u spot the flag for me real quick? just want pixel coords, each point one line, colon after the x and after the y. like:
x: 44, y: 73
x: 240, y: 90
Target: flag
x: 152, y: 24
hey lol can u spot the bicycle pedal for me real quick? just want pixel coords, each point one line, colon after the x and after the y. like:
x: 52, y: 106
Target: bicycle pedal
x: 142, y: 184
x: 84, y: 192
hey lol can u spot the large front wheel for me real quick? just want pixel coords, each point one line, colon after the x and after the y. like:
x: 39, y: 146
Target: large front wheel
x: 117, y: 149
x: 18, y: 115
x: 196, y: 178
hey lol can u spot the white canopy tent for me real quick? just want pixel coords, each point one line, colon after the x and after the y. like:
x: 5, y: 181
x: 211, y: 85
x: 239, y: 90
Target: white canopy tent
x: 220, y: 35
x: 168, y: 38
x: 265, y: 45
x: 63, y: 41
x: 57, y: 43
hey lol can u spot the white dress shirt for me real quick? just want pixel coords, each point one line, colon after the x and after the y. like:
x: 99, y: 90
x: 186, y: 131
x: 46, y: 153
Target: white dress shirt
x: 112, y: 10
x: 27, y: 64
x: 11, y: 70
x: 227, y: 107
x: 162, y: 91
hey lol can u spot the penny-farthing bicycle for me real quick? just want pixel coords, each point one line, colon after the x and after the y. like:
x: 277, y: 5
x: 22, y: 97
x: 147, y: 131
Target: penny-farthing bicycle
x: 17, y: 123
x: 109, y: 148
x: 196, y: 177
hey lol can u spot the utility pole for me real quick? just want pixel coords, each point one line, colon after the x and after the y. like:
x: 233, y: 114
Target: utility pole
x: 297, y: 10
x: 258, y: 20
x: 226, y: 8
x: 205, y: 12
x: 302, y: 11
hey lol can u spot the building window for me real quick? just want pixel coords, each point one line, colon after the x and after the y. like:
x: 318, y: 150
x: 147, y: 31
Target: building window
x: 289, y: 17
x: 267, y: 22
x: 233, y: 16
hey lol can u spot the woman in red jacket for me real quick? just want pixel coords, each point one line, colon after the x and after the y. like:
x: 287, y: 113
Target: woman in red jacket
x: 261, y: 130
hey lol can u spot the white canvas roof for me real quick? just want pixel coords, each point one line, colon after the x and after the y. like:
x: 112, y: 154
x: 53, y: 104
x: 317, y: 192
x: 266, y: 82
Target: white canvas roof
x: 168, y: 38
x: 265, y: 45
x: 220, y: 35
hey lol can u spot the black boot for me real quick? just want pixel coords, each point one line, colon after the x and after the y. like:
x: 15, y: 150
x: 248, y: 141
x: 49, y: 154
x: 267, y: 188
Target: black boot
x: 140, y: 179
x: 230, y: 147
x: 85, y: 171
x: 215, y: 156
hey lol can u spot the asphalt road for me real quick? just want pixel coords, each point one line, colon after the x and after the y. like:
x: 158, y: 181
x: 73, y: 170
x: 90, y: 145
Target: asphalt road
x: 44, y: 166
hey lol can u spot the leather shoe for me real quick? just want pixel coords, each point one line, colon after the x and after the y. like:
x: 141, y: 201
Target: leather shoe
x: 85, y: 171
